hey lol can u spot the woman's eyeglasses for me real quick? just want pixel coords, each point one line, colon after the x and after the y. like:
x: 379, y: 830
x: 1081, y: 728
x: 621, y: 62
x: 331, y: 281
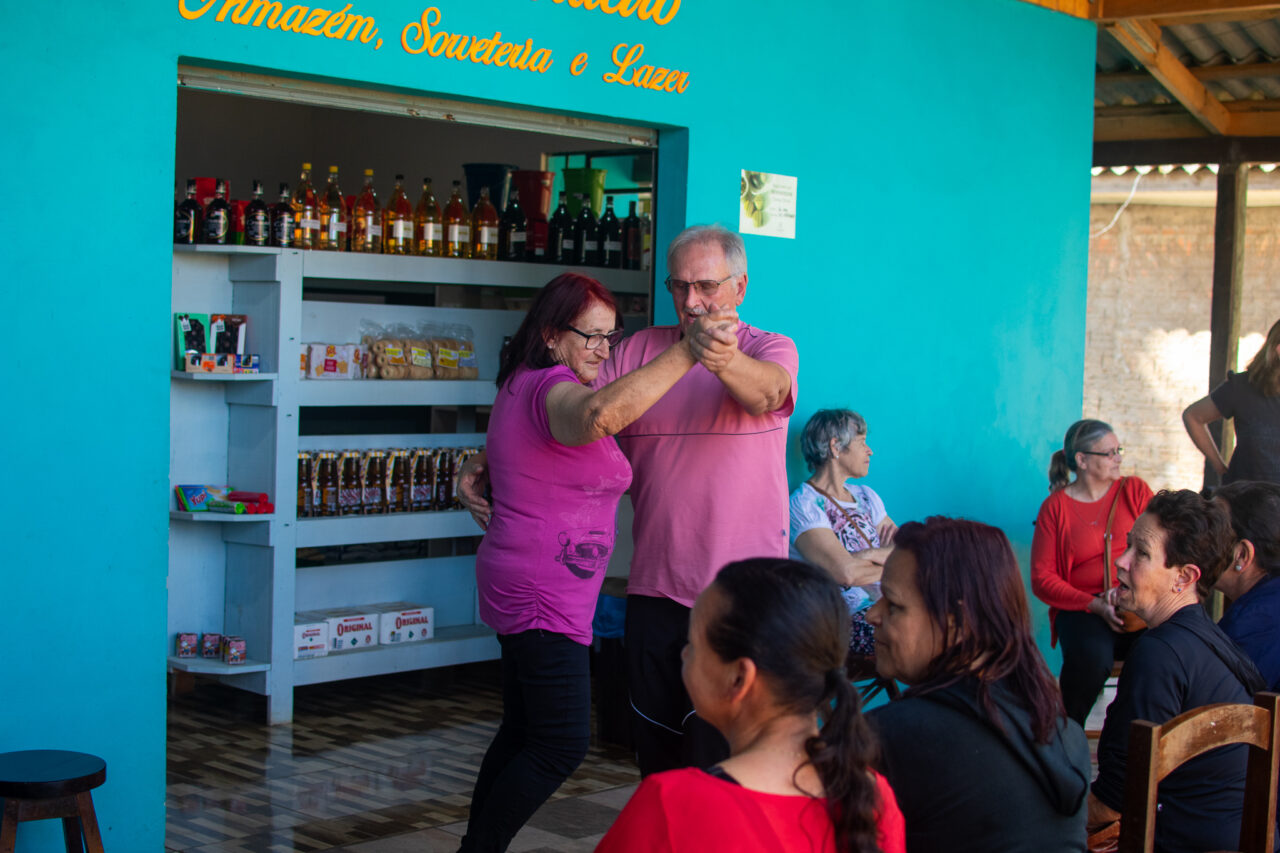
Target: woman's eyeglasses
x: 1113, y: 454
x: 594, y: 341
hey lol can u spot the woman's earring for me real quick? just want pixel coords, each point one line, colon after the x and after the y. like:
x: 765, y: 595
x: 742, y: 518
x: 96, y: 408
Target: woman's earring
x: 1239, y: 567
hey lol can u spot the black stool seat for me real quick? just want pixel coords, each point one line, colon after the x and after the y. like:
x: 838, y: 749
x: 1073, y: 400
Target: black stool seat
x: 41, y: 784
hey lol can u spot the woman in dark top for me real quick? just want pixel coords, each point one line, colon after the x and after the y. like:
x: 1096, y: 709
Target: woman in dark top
x: 1182, y: 662
x: 1253, y: 620
x: 979, y: 750
x: 1252, y: 399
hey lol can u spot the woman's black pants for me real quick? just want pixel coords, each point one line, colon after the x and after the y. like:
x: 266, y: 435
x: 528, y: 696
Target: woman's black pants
x: 1089, y: 650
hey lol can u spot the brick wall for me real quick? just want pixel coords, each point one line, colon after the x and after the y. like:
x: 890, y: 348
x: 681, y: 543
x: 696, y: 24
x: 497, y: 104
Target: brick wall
x: 1147, y: 332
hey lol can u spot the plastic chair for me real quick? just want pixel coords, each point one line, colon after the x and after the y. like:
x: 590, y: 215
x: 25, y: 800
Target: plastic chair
x: 1156, y: 750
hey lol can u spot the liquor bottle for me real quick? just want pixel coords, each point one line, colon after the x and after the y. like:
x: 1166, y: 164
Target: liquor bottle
x: 428, y: 234
x: 397, y: 222
x: 333, y: 216
x: 513, y: 231
x: 457, y: 225
x: 217, y: 217
x: 610, y: 237
x: 646, y: 238
x: 586, y: 234
x: 632, y: 244
x: 187, y: 218
x: 560, y: 245
x: 257, y: 218
x: 366, y: 224
x: 306, y: 212
x: 484, y: 228
x: 282, y: 220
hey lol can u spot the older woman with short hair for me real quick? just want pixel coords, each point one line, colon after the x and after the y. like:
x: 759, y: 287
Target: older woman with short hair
x: 1176, y: 548
x: 1253, y: 620
x: 841, y: 528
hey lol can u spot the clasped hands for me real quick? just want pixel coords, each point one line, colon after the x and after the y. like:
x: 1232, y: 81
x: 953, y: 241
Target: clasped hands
x: 1104, y: 606
x: 713, y: 338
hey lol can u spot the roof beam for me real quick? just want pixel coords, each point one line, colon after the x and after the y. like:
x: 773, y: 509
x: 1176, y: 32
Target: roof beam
x: 1208, y: 149
x: 1179, y: 11
x: 1167, y: 121
x: 1203, y: 73
x: 1075, y: 8
x: 1142, y: 40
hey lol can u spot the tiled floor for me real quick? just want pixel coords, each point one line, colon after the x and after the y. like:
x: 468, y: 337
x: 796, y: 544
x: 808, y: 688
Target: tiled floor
x: 376, y: 765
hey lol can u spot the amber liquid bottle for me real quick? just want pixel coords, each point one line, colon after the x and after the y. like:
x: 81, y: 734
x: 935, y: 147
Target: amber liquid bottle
x: 428, y: 229
x: 513, y: 231
x: 366, y: 225
x: 632, y: 241
x: 397, y: 222
x: 560, y: 244
x: 257, y: 218
x: 217, y: 217
x: 282, y: 221
x: 187, y: 218
x: 610, y: 237
x: 586, y: 235
x: 306, y: 212
x: 457, y: 225
x: 333, y: 216
x: 484, y: 228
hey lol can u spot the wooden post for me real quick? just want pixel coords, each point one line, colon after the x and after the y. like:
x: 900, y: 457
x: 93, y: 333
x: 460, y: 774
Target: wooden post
x: 1228, y: 268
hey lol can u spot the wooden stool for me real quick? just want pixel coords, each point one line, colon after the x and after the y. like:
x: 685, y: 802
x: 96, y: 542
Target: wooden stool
x: 41, y: 784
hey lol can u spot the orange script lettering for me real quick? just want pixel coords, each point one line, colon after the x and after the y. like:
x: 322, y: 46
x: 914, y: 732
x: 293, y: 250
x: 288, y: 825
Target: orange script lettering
x: 644, y: 76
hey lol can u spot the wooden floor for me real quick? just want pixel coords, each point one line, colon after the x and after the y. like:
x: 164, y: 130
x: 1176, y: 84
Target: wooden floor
x: 377, y: 765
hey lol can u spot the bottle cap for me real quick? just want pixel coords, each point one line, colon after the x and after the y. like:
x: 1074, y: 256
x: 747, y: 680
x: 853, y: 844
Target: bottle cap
x: 333, y: 170
x: 284, y: 188
x: 368, y: 173
x: 307, y: 166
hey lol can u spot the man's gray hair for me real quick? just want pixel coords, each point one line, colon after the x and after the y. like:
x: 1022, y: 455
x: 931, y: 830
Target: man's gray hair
x: 815, y: 440
x: 735, y: 252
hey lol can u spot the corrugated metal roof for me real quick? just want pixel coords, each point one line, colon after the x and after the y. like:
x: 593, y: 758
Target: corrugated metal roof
x: 1204, y: 45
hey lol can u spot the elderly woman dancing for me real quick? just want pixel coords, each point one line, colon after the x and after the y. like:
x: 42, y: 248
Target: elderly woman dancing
x: 837, y: 526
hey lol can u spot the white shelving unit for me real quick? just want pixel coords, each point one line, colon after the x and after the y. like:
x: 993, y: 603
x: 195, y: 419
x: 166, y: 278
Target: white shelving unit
x: 239, y: 574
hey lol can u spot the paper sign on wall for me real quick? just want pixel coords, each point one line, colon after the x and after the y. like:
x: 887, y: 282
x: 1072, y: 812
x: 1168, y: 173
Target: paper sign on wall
x: 768, y: 205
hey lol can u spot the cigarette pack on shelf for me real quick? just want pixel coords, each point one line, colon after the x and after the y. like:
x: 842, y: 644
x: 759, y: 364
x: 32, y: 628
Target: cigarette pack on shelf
x: 229, y: 332
x: 184, y: 645
x: 351, y: 628
x: 310, y: 635
x: 211, y: 646
x: 404, y: 622
x: 233, y: 650
x: 190, y: 335
x: 246, y: 363
x: 333, y: 361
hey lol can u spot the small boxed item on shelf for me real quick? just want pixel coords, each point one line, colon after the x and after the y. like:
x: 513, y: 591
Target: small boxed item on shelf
x: 185, y: 645
x: 230, y: 332
x: 310, y: 635
x: 190, y: 335
x: 196, y: 498
x: 233, y: 650
x: 351, y: 628
x: 224, y: 499
x: 403, y: 622
x: 211, y: 646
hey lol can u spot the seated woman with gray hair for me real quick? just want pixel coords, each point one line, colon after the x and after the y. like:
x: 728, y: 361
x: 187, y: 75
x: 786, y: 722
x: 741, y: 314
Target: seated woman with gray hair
x: 838, y: 526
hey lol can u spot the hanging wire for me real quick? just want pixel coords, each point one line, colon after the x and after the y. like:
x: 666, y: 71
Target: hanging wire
x: 1116, y: 218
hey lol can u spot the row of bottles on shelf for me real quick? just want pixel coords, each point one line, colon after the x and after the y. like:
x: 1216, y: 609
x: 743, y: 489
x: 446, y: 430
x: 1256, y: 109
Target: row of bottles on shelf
x: 305, y: 219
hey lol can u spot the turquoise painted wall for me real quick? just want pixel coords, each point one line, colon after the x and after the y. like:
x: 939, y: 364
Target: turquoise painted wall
x: 937, y: 284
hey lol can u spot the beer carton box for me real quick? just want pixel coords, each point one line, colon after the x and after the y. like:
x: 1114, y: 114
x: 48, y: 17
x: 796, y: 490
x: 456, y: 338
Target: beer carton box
x: 310, y: 635
x: 351, y: 628
x: 405, y: 622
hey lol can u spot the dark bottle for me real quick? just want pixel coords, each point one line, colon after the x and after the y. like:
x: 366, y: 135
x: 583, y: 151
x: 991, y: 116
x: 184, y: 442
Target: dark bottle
x: 610, y: 237
x: 586, y: 234
x: 187, y: 218
x: 560, y: 244
x: 632, y: 240
x: 513, y: 231
x: 257, y: 218
x: 282, y: 221
x: 217, y: 217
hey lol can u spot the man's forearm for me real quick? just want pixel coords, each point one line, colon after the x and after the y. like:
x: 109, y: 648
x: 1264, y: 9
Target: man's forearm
x: 759, y: 386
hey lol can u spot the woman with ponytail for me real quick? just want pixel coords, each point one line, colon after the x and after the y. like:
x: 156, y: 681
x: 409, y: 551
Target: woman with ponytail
x: 765, y: 665
x: 979, y: 750
x: 1080, y: 531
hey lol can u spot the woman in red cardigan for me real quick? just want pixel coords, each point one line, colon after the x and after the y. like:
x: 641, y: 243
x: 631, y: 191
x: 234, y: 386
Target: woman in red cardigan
x: 1068, y: 557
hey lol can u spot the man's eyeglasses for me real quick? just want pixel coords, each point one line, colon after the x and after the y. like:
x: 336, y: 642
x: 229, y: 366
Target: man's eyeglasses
x: 594, y: 341
x: 706, y: 286
x: 1113, y: 454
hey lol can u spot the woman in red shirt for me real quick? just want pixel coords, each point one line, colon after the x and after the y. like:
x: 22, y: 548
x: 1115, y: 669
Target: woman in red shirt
x: 766, y: 651
x: 1068, y: 557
